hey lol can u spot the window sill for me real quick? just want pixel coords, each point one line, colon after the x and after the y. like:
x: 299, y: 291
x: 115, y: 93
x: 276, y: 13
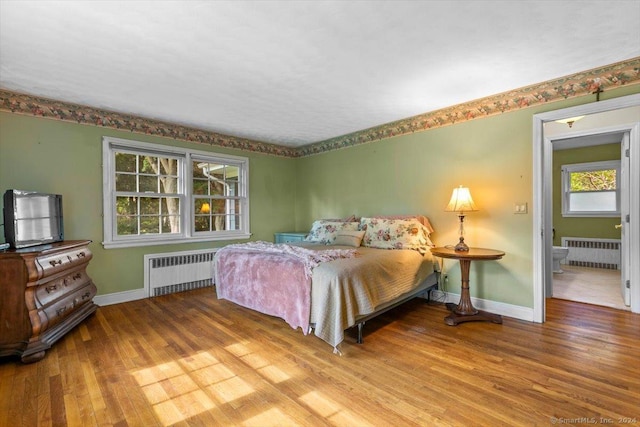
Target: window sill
x: 139, y: 243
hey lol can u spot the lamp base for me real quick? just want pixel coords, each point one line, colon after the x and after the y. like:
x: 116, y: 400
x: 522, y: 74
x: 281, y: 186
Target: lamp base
x: 461, y: 246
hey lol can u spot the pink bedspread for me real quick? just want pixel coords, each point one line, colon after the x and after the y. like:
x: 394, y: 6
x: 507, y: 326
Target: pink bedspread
x: 271, y: 279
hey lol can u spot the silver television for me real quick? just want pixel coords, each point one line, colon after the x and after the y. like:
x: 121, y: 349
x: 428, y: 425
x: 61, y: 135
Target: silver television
x: 32, y: 218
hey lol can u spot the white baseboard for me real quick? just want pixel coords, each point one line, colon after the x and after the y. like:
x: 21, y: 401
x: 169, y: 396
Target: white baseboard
x: 119, y: 297
x: 508, y: 310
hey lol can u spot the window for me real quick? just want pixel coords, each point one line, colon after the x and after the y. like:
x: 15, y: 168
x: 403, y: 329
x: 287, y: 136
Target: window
x: 155, y: 194
x: 591, y: 189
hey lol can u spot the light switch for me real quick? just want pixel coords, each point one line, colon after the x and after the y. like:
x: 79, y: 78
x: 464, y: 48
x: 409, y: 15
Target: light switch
x: 520, y: 208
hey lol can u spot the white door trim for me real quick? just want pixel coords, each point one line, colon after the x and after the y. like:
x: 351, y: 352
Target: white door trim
x: 542, y: 209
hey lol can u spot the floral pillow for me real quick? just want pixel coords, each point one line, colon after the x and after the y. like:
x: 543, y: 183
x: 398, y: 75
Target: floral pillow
x: 395, y: 234
x: 325, y: 232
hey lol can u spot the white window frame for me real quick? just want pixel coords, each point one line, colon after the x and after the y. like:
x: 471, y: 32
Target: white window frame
x: 185, y: 192
x: 567, y: 170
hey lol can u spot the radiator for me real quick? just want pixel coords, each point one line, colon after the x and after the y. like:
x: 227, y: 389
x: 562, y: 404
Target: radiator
x: 178, y: 271
x: 595, y: 253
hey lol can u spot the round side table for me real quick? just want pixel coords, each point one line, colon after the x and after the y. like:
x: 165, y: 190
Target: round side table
x: 464, y: 311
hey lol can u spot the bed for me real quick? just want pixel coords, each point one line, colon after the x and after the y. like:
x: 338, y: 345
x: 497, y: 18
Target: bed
x: 342, y: 275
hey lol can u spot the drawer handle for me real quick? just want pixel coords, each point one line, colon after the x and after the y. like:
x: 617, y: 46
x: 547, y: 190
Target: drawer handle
x: 86, y: 295
x: 77, y: 276
x: 81, y: 255
x: 54, y: 263
x: 61, y: 310
x: 51, y: 288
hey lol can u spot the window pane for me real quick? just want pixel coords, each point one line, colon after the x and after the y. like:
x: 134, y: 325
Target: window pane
x: 198, y: 169
x: 127, y: 225
x: 169, y: 185
x: 200, y: 187
x: 593, y: 180
x: 203, y: 223
x: 232, y: 188
x: 169, y: 167
x: 219, y: 222
x: 126, y: 205
x: 170, y: 224
x: 231, y: 173
x: 234, y: 222
x: 219, y: 206
x: 171, y: 206
x: 149, y: 206
x: 216, y: 170
x: 148, y: 183
x: 125, y: 182
x: 125, y: 162
x: 598, y: 201
x: 149, y: 164
x: 216, y: 188
x: 202, y: 206
x: 149, y: 225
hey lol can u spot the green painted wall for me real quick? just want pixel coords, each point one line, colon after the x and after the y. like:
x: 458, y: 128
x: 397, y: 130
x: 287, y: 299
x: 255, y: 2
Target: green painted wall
x: 59, y: 157
x: 602, y: 228
x: 416, y: 174
x: 407, y: 174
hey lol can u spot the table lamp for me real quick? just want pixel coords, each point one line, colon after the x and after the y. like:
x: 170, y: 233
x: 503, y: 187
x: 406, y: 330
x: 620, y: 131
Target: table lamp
x: 461, y: 202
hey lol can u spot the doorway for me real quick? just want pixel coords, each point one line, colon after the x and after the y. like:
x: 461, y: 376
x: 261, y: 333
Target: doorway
x: 589, y: 194
x: 542, y: 191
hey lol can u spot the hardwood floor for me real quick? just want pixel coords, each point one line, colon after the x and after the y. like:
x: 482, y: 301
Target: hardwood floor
x: 190, y: 359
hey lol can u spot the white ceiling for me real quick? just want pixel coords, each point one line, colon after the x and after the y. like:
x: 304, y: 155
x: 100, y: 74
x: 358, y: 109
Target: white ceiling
x: 298, y: 72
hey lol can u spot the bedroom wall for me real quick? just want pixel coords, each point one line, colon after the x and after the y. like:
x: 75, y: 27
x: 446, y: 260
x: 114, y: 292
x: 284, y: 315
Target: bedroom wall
x: 61, y: 157
x: 416, y: 174
x: 602, y: 228
x: 412, y: 173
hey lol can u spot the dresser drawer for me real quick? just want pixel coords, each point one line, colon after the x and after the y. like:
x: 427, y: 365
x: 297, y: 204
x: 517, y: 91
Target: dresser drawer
x: 58, y: 310
x: 48, y: 265
x: 290, y: 237
x: 57, y: 288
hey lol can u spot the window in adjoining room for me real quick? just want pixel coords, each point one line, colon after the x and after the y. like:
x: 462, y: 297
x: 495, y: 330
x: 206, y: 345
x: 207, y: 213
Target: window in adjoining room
x: 591, y: 189
x: 155, y: 194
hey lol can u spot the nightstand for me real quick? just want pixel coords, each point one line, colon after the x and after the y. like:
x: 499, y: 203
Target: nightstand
x: 290, y: 237
x: 464, y: 310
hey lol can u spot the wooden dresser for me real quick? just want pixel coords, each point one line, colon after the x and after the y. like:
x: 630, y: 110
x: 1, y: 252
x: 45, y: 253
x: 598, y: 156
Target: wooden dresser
x: 44, y: 292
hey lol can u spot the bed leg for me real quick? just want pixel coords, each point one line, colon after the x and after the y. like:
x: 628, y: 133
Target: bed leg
x: 360, y: 326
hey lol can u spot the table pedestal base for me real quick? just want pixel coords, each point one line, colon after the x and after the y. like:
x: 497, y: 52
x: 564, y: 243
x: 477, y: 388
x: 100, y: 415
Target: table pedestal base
x: 457, y: 317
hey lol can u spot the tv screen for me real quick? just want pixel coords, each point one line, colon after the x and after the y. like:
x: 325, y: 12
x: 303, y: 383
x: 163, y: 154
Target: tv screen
x: 32, y: 218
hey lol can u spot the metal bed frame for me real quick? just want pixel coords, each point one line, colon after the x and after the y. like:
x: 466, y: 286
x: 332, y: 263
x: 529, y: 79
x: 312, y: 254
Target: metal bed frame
x: 429, y: 284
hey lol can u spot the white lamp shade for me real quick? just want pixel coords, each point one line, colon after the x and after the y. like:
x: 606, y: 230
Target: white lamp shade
x: 461, y: 201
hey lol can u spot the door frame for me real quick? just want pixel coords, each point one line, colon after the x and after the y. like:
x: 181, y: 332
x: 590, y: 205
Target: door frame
x: 542, y: 203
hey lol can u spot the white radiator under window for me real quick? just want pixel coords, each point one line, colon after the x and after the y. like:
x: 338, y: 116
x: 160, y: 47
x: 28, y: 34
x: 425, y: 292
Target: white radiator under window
x: 595, y: 253
x: 178, y: 271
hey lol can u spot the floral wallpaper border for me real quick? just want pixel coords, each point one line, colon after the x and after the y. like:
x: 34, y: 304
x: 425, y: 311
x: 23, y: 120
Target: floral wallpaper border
x: 580, y: 84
